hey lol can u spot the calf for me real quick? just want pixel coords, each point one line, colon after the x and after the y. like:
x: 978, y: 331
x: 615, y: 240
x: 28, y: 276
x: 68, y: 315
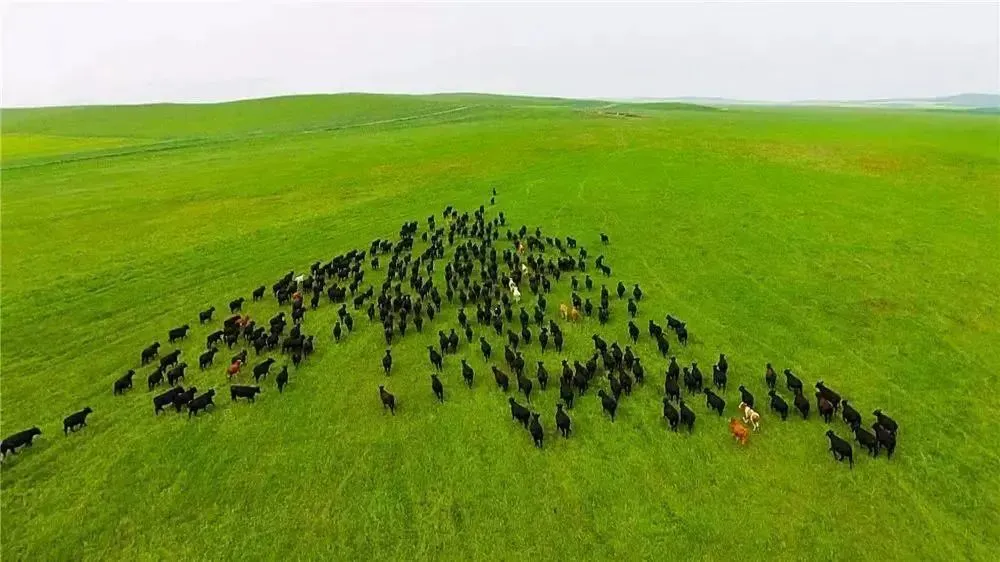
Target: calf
x: 388, y: 400
x: 124, y: 382
x: 739, y: 431
x: 867, y: 440
x: 832, y: 397
x: 519, y: 413
x: 841, y: 449
x: 248, y: 392
x: 18, y: 440
x: 750, y: 416
x: 714, y: 402
x: 205, y: 315
x: 75, y: 420
x: 178, y: 333
x: 778, y: 405
x: 201, y: 403
x: 609, y: 404
x: 670, y: 413
x: 537, y: 434
x: 746, y: 396
x: 165, y: 399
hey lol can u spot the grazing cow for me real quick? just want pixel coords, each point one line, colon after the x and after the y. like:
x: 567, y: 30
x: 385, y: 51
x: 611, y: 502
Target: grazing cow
x: 178, y: 333
x: 867, y: 440
x: 18, y: 440
x: 124, y: 382
x: 435, y: 358
x: 829, y: 394
x: 501, y: 378
x: 750, y: 416
x: 437, y: 387
x: 739, y: 431
x: 201, y: 403
x: 609, y: 404
x: 258, y: 293
x: 746, y: 396
x: 824, y: 406
x: 793, y: 382
x: 562, y: 421
x: 886, y: 422
x: 261, y: 369
x: 387, y: 362
x: 150, y: 352
x: 886, y: 438
x: 719, y: 377
x: 75, y: 420
x: 770, y: 377
x: 206, y: 315
x: 234, y: 368
x: 670, y: 413
x: 205, y: 359
x: 165, y: 399
x: 282, y: 378
x: 801, y: 404
x: 687, y: 416
x: 155, y: 378
x: 841, y: 449
x: 714, y: 402
x: 176, y: 374
x: 248, y: 392
x: 388, y: 400
x: 519, y: 413
x: 851, y: 416
x: 236, y: 305
x: 778, y: 405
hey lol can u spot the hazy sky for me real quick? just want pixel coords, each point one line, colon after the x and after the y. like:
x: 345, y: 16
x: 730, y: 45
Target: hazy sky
x: 116, y: 52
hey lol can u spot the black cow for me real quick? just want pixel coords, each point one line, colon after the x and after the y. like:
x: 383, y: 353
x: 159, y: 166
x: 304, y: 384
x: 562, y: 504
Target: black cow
x: 124, y: 382
x: 851, y: 416
x: 566, y: 393
x: 387, y: 362
x: 609, y: 404
x: 178, y: 333
x: 501, y: 378
x: 824, y: 406
x: 170, y: 359
x: 435, y: 357
x: 182, y: 399
x: 258, y: 293
x: 260, y: 370
x: 841, y: 449
x: 672, y: 389
x: 20, y: 439
x: 201, y: 403
x: 150, y: 352
x: 175, y: 374
x: 437, y: 388
x: 75, y: 420
x: 801, y: 404
x: 867, y: 440
x: 282, y: 378
x: 537, y: 434
x: 778, y: 405
x: 524, y: 385
x: 886, y: 422
x: 886, y: 438
x: 793, y: 382
x: 669, y: 412
x: 236, y: 305
x: 687, y: 416
x: 155, y: 378
x: 562, y: 421
x: 745, y: 396
x: 388, y: 400
x: 714, y: 402
x: 165, y: 399
x: 205, y: 359
x: 248, y: 392
x: 206, y: 315
x: 519, y: 413
x: 213, y: 338
x: 829, y: 394
x: 770, y: 377
x: 719, y: 377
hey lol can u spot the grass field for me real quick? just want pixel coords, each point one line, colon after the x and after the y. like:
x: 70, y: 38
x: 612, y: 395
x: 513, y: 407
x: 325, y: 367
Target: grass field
x: 854, y: 246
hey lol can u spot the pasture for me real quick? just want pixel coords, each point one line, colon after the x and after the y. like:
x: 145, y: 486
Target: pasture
x: 857, y: 247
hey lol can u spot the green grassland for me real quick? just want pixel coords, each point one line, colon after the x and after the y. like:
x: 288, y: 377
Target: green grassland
x: 854, y: 246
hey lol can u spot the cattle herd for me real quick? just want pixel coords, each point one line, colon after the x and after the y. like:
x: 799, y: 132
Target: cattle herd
x: 487, y: 271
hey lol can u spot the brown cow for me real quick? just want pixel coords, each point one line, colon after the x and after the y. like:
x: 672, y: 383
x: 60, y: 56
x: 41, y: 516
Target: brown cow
x: 739, y: 431
x: 234, y: 368
x: 564, y: 311
x: 574, y: 315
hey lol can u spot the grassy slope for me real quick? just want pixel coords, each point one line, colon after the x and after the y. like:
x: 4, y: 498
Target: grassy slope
x: 853, y: 246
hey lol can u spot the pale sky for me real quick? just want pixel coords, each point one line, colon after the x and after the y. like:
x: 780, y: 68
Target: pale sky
x: 117, y: 52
